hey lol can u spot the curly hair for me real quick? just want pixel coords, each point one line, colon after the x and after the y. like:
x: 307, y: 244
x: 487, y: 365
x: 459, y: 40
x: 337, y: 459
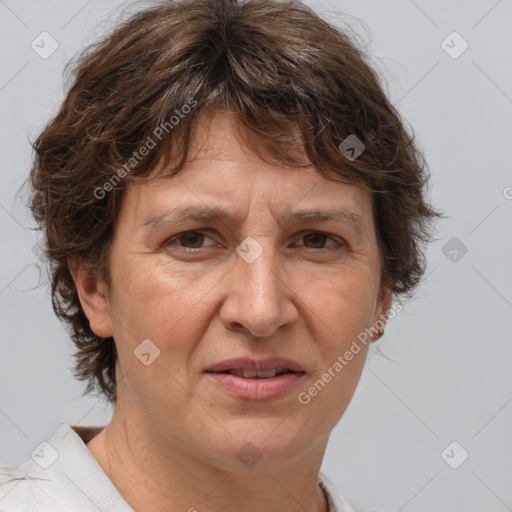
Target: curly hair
x: 134, y: 98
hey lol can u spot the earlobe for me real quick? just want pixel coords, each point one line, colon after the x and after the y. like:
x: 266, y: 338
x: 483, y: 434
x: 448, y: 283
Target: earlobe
x: 92, y: 297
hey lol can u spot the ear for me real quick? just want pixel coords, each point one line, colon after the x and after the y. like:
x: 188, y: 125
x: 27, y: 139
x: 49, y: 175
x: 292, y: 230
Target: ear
x: 383, y: 308
x: 93, y: 298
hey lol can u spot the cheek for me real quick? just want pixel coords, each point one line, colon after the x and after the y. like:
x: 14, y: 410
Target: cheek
x: 163, y: 303
x: 342, y: 308
x: 152, y: 293
x: 342, y: 303
x: 157, y: 303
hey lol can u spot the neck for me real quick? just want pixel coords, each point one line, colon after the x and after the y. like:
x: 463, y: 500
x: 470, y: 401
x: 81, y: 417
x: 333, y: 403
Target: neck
x: 154, y: 473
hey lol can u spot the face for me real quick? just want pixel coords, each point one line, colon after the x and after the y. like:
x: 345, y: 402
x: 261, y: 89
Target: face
x: 267, y: 283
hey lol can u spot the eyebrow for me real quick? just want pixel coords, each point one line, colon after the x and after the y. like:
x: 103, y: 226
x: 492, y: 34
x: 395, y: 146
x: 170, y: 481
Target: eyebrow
x: 212, y: 214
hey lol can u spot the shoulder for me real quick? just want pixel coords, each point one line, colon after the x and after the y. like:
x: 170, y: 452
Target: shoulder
x: 61, y: 475
x: 338, y: 502
x: 26, y: 488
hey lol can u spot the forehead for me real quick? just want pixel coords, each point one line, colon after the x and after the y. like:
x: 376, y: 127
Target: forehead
x: 225, y: 174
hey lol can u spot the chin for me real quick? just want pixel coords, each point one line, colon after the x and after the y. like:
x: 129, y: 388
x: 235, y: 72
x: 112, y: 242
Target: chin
x: 260, y: 447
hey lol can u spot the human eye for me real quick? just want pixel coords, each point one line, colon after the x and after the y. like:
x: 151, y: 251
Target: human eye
x: 317, y: 240
x: 188, y: 241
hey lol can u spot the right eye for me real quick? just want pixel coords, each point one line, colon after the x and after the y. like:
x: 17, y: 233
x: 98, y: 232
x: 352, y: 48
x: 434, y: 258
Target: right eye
x: 189, y: 240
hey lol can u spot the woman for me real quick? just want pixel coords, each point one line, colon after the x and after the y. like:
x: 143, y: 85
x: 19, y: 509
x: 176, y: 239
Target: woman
x: 231, y: 204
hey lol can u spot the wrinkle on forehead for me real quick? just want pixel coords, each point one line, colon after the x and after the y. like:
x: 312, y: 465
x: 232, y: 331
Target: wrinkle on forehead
x: 213, y: 140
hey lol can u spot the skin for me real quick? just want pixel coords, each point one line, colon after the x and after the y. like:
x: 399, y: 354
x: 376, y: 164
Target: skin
x: 174, y: 436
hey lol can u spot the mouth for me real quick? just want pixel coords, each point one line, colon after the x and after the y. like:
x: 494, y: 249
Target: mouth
x: 250, y: 368
x: 249, y: 379
x: 256, y: 374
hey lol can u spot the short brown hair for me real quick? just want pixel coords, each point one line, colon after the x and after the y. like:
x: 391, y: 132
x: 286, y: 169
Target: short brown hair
x: 276, y: 64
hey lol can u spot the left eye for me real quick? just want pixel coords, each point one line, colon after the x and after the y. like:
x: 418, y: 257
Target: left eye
x: 317, y: 239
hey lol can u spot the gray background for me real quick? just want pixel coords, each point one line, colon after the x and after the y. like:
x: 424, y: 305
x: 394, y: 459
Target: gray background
x: 446, y: 375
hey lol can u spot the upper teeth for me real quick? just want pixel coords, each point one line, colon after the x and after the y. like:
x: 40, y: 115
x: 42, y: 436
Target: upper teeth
x: 257, y: 373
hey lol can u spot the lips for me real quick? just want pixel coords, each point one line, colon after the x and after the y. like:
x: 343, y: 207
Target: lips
x: 256, y: 380
x: 254, y: 368
x: 257, y: 374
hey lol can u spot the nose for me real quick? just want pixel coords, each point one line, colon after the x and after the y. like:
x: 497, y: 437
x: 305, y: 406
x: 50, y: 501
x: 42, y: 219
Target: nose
x: 259, y: 299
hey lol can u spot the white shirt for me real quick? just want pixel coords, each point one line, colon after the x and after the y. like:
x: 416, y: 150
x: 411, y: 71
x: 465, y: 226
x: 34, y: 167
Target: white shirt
x: 62, y: 475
